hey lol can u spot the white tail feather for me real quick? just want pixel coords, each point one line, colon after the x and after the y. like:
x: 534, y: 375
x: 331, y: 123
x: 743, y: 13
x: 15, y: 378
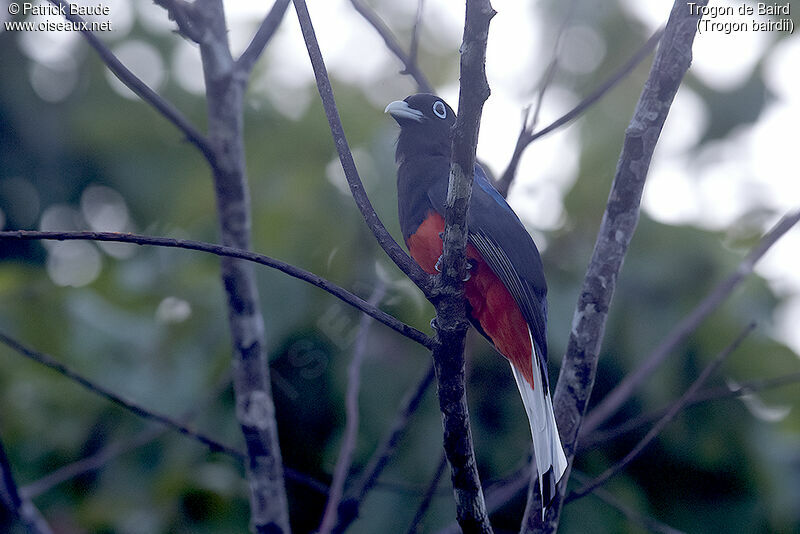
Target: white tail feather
x: 547, y: 447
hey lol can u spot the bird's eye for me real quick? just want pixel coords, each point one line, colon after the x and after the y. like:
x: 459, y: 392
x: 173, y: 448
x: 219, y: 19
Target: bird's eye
x: 439, y: 110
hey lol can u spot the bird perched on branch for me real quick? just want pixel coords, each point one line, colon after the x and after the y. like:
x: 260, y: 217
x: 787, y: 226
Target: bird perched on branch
x: 506, y: 291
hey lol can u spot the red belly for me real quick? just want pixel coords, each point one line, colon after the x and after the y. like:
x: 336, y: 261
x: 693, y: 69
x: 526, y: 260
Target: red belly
x: 492, y: 306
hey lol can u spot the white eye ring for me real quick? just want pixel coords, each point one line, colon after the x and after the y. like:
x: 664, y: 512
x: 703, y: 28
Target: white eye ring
x: 439, y: 110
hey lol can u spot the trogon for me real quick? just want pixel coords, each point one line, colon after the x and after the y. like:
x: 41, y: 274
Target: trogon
x: 506, y: 290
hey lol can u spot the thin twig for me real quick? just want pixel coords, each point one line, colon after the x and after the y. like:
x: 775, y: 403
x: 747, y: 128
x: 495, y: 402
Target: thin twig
x: 350, y: 439
x: 550, y: 72
x: 618, y: 225
x: 141, y: 89
x: 115, y: 449
x: 384, y: 238
x: 413, y: 51
x: 20, y: 507
x: 58, y: 476
x: 91, y: 463
x: 266, y: 30
x: 527, y: 136
x: 531, y: 118
x: 224, y: 251
x: 348, y: 511
x: 145, y: 413
x: 676, y: 408
x: 626, y: 387
x: 599, y: 437
x: 500, y: 493
x: 632, y: 515
x: 409, y: 60
x: 427, y: 498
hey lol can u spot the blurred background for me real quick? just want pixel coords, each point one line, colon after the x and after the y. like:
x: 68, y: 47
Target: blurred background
x: 79, y: 151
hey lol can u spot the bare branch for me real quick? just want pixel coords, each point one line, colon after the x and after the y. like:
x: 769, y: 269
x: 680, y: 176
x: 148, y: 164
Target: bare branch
x: 579, y: 365
x: 348, y: 511
x: 409, y: 60
x: 385, y: 240
x: 262, y: 37
x: 625, y: 389
x: 231, y: 252
x: 427, y: 498
x: 48, y: 361
x: 530, y: 118
x: 599, y: 437
x: 141, y: 89
x: 549, y: 73
x: 451, y: 316
x: 527, y: 135
x: 647, y: 522
x: 345, y: 460
x: 414, y: 47
x: 500, y: 492
x: 115, y: 449
x: 92, y: 463
x: 204, y: 22
x: 679, y: 405
x: 21, y: 508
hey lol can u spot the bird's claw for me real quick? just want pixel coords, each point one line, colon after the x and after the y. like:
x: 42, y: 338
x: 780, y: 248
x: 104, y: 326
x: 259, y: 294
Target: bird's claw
x: 438, y: 265
x: 470, y: 265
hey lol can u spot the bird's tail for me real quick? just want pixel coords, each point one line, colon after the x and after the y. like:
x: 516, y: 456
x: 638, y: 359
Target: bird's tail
x: 548, y: 451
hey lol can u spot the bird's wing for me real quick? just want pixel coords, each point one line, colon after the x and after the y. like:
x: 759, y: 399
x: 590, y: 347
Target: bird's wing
x: 498, y: 234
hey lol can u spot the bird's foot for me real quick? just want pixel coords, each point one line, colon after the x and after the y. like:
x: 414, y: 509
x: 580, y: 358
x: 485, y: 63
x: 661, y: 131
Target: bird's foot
x: 471, y: 264
x: 438, y: 265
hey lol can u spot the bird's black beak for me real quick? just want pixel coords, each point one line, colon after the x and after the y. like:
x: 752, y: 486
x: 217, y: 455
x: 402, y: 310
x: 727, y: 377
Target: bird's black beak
x: 402, y: 112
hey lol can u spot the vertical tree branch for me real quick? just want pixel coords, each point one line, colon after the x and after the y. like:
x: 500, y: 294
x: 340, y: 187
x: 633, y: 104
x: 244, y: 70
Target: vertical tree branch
x: 255, y: 409
x: 451, y: 319
x: 578, y: 369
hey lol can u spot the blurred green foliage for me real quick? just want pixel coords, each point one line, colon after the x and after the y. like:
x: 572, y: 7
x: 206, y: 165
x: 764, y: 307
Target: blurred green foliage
x: 717, y: 468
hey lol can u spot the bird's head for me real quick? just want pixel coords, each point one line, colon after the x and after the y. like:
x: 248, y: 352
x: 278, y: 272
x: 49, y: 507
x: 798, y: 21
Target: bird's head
x: 426, y: 126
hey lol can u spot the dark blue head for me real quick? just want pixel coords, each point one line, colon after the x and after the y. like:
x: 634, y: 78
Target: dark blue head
x: 426, y: 126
